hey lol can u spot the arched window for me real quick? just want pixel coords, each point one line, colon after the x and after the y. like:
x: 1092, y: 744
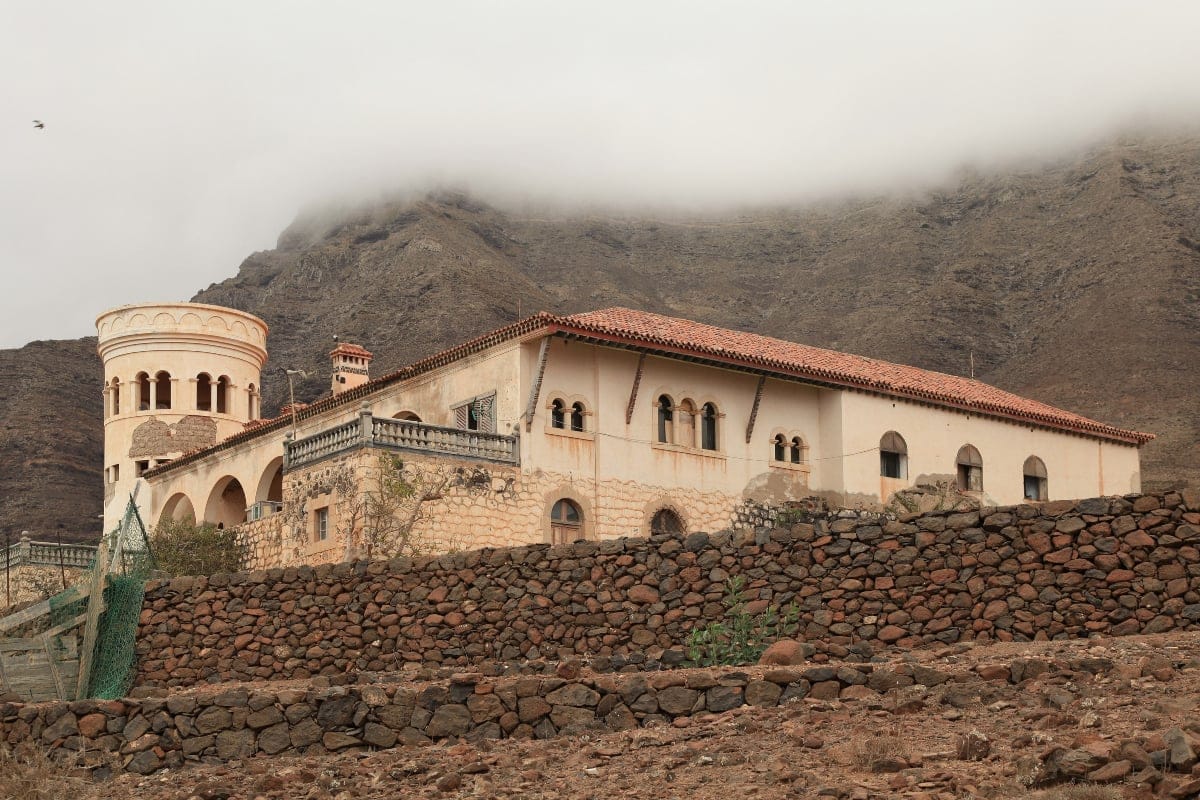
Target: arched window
x: 114, y: 399
x: 223, y: 384
x: 970, y: 469
x: 566, y: 522
x: 1035, y: 479
x: 666, y: 419
x: 204, y: 389
x: 577, y: 416
x: 557, y: 414
x: 407, y: 416
x: 708, y: 427
x: 665, y: 520
x: 797, y: 450
x: 142, y: 391
x: 162, y: 387
x: 685, y: 431
x: 779, y: 447
x: 893, y: 456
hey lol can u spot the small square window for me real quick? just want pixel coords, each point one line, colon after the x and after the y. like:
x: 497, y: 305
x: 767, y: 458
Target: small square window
x: 141, y: 466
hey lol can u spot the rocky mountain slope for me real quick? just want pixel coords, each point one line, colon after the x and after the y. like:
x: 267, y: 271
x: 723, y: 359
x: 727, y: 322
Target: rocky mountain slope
x: 1076, y: 283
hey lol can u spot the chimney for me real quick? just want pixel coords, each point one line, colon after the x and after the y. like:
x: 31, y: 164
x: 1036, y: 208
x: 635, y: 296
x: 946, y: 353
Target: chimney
x: 350, y: 366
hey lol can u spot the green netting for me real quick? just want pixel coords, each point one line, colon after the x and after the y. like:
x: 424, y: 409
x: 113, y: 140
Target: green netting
x: 113, y: 658
x: 128, y: 564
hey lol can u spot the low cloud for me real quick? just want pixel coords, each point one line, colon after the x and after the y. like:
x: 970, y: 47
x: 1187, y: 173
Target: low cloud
x: 181, y: 137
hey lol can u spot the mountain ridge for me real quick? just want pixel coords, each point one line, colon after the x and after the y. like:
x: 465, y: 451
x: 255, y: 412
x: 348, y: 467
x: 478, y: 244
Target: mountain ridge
x: 1076, y: 284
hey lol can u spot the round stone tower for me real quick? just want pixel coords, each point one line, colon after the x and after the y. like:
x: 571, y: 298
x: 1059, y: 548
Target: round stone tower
x: 177, y: 377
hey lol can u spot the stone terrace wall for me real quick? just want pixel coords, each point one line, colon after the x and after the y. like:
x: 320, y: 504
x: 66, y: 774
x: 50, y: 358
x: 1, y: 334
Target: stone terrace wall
x: 1109, y: 565
x: 151, y: 733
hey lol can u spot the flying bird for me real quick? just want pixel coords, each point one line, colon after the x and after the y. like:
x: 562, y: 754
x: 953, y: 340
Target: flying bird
x: 37, y: 123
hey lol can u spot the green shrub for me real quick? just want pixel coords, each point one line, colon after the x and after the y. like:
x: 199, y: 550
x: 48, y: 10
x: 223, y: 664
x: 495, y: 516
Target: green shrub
x: 181, y: 547
x: 742, y: 637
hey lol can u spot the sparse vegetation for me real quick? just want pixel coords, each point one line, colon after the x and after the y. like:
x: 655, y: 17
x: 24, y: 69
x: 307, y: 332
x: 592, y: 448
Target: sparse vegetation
x: 30, y: 774
x: 1080, y: 791
x: 181, y: 547
x: 871, y: 753
x: 742, y: 637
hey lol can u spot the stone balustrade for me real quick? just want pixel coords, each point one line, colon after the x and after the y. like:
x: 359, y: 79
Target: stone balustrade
x: 398, y: 434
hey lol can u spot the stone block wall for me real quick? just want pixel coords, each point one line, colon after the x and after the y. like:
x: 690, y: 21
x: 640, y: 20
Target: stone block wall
x: 485, y: 505
x: 1054, y: 570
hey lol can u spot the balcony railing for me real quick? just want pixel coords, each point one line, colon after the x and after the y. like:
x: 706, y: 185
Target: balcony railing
x: 400, y: 434
x: 49, y: 554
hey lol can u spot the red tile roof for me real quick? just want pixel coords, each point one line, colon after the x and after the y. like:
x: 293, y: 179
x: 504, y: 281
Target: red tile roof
x: 831, y: 366
x: 347, y: 349
x: 675, y: 336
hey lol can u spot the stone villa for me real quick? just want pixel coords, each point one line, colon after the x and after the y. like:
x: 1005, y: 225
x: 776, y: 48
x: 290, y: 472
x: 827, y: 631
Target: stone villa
x: 597, y: 425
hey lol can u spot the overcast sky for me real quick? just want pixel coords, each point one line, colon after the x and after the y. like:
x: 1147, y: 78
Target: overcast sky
x: 180, y: 137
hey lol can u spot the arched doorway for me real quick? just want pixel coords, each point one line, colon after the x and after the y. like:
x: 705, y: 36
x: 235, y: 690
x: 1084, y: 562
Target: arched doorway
x: 665, y: 520
x: 226, y: 505
x: 268, y: 497
x: 566, y: 522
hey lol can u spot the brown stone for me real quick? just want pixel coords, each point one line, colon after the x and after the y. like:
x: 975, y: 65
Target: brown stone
x: 786, y: 653
x: 643, y: 594
x: 1111, y: 772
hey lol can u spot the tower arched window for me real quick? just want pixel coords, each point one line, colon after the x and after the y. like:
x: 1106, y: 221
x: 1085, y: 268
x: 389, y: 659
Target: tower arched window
x: 893, y: 456
x: 1034, y: 472
x: 708, y: 427
x: 558, y: 417
x: 779, y: 447
x: 114, y: 397
x: 204, y: 389
x: 577, y: 414
x: 970, y: 469
x: 141, y: 385
x: 796, y: 451
x: 162, y: 390
x: 666, y: 419
x: 223, y: 384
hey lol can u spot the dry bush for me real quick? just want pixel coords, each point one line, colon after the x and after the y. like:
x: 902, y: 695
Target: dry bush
x: 869, y: 752
x: 30, y: 774
x: 1080, y: 791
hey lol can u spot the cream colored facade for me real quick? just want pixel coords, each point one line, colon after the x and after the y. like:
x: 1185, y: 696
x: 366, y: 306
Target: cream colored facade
x: 177, y: 377
x: 525, y: 390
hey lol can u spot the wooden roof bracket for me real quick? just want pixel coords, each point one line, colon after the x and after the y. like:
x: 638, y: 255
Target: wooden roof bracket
x: 535, y: 390
x: 762, y: 379
x: 633, y: 391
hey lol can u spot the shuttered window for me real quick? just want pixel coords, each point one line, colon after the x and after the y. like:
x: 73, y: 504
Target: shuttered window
x: 477, y: 414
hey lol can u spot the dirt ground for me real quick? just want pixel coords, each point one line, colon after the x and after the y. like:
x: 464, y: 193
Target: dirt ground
x: 910, y: 742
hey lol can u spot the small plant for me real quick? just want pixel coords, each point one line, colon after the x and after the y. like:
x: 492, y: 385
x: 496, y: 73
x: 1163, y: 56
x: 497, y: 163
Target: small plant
x: 742, y: 637
x: 790, y: 516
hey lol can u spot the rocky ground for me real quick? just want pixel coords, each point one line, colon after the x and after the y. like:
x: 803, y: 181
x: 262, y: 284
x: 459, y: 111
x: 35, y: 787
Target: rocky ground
x: 1079, y: 719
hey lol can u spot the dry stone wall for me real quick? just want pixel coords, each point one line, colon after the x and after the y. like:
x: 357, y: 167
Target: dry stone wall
x: 238, y: 722
x: 1055, y: 570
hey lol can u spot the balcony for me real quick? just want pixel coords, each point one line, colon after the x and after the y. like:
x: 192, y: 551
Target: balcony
x: 403, y: 435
